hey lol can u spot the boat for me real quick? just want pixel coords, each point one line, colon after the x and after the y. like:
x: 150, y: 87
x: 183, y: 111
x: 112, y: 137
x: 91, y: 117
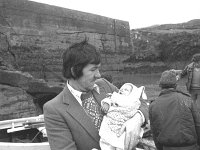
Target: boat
x: 24, y: 146
x: 23, y: 134
x: 30, y: 134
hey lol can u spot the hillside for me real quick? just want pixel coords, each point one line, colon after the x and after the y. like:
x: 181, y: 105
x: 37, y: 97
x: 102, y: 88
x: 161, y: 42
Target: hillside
x: 166, y: 46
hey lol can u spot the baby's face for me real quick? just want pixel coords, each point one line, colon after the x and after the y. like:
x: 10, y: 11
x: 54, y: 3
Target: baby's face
x: 125, y: 89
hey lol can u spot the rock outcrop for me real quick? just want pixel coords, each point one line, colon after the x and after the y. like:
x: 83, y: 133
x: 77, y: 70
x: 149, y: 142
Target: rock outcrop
x: 162, y: 47
x: 33, y: 37
x: 22, y: 95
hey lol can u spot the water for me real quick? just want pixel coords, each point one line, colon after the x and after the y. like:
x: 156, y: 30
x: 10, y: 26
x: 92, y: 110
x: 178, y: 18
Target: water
x: 150, y: 81
x: 137, y: 79
x: 141, y: 79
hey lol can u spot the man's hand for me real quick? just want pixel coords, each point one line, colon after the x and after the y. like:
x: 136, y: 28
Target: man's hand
x: 178, y: 77
x: 105, y: 107
x: 132, y: 129
x: 178, y: 73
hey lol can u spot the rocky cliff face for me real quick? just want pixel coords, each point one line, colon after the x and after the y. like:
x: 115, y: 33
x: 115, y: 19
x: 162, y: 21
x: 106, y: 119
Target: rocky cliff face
x: 21, y: 95
x: 33, y: 37
x: 162, y: 47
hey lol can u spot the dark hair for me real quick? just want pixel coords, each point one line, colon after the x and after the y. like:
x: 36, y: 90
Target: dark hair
x: 196, y: 57
x: 77, y: 56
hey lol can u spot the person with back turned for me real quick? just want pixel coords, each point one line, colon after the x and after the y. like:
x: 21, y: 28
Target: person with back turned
x: 174, y: 118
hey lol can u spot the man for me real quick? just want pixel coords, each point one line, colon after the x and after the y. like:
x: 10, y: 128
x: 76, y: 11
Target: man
x: 70, y: 120
x: 193, y: 82
x: 174, y: 119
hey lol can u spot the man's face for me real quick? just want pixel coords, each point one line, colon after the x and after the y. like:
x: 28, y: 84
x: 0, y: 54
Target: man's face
x: 90, y: 74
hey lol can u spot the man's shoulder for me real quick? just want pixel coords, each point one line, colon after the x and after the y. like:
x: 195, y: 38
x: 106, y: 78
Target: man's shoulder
x: 178, y: 96
x: 154, y: 102
x: 183, y: 93
x: 53, y: 101
x: 184, y: 98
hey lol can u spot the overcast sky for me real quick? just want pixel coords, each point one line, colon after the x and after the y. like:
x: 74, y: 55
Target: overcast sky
x: 139, y: 13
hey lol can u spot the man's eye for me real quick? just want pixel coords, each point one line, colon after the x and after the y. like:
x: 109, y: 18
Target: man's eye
x: 93, y: 69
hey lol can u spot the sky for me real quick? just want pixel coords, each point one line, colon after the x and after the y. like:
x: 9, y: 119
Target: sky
x: 139, y: 13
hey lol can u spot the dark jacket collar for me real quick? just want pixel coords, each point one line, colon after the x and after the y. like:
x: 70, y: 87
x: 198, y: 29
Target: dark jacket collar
x: 170, y: 90
x: 166, y: 91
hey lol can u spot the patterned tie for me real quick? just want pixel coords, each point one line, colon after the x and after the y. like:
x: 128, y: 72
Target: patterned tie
x: 92, y: 108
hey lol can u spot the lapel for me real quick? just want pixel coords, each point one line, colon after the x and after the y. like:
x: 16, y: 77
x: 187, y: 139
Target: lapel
x: 78, y: 113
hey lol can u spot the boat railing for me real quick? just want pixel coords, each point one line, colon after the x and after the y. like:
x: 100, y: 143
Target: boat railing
x: 19, y: 124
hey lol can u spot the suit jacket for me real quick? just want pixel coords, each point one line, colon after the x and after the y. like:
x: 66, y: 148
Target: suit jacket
x: 68, y: 126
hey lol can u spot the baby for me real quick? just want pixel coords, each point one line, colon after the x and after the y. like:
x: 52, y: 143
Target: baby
x: 119, y: 107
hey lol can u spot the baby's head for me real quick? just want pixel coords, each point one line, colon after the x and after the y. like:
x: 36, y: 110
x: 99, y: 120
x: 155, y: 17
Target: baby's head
x: 126, y: 89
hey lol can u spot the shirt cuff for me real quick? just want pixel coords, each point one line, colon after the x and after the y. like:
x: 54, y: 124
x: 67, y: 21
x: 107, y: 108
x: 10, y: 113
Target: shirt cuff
x: 143, y: 119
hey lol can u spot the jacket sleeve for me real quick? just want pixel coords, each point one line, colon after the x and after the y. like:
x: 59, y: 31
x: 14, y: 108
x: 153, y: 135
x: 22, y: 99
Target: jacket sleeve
x: 185, y: 70
x: 154, y: 130
x: 196, y: 116
x: 145, y: 110
x: 59, y: 135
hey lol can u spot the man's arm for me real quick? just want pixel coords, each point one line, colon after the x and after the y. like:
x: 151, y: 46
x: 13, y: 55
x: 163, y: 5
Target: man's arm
x: 59, y: 135
x: 133, y: 127
x: 154, y: 130
x: 145, y: 111
x: 185, y: 70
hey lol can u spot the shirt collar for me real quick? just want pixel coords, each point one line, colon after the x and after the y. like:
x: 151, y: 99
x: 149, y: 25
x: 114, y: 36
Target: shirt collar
x: 75, y: 93
x: 96, y: 88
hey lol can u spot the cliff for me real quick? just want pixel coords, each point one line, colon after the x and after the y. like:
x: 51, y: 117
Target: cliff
x: 33, y: 37
x: 22, y: 95
x: 163, y: 47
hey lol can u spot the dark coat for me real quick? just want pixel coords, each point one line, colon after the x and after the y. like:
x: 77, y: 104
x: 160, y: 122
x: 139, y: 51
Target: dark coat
x: 68, y: 126
x: 175, y: 121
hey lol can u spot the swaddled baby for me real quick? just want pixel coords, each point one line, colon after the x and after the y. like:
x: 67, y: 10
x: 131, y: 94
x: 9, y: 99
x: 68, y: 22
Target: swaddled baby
x: 119, y: 107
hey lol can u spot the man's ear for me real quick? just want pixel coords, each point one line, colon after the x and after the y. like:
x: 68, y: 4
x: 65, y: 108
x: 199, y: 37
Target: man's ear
x: 72, y: 72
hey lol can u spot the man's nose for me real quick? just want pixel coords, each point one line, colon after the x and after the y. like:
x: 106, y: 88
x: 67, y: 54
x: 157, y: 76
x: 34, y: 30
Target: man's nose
x: 97, y: 74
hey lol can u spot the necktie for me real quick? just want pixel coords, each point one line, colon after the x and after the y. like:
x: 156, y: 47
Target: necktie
x: 92, y: 108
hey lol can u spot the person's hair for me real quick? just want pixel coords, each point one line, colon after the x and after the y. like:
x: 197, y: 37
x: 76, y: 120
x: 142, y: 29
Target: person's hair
x: 168, y: 79
x: 77, y: 56
x: 196, y: 57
